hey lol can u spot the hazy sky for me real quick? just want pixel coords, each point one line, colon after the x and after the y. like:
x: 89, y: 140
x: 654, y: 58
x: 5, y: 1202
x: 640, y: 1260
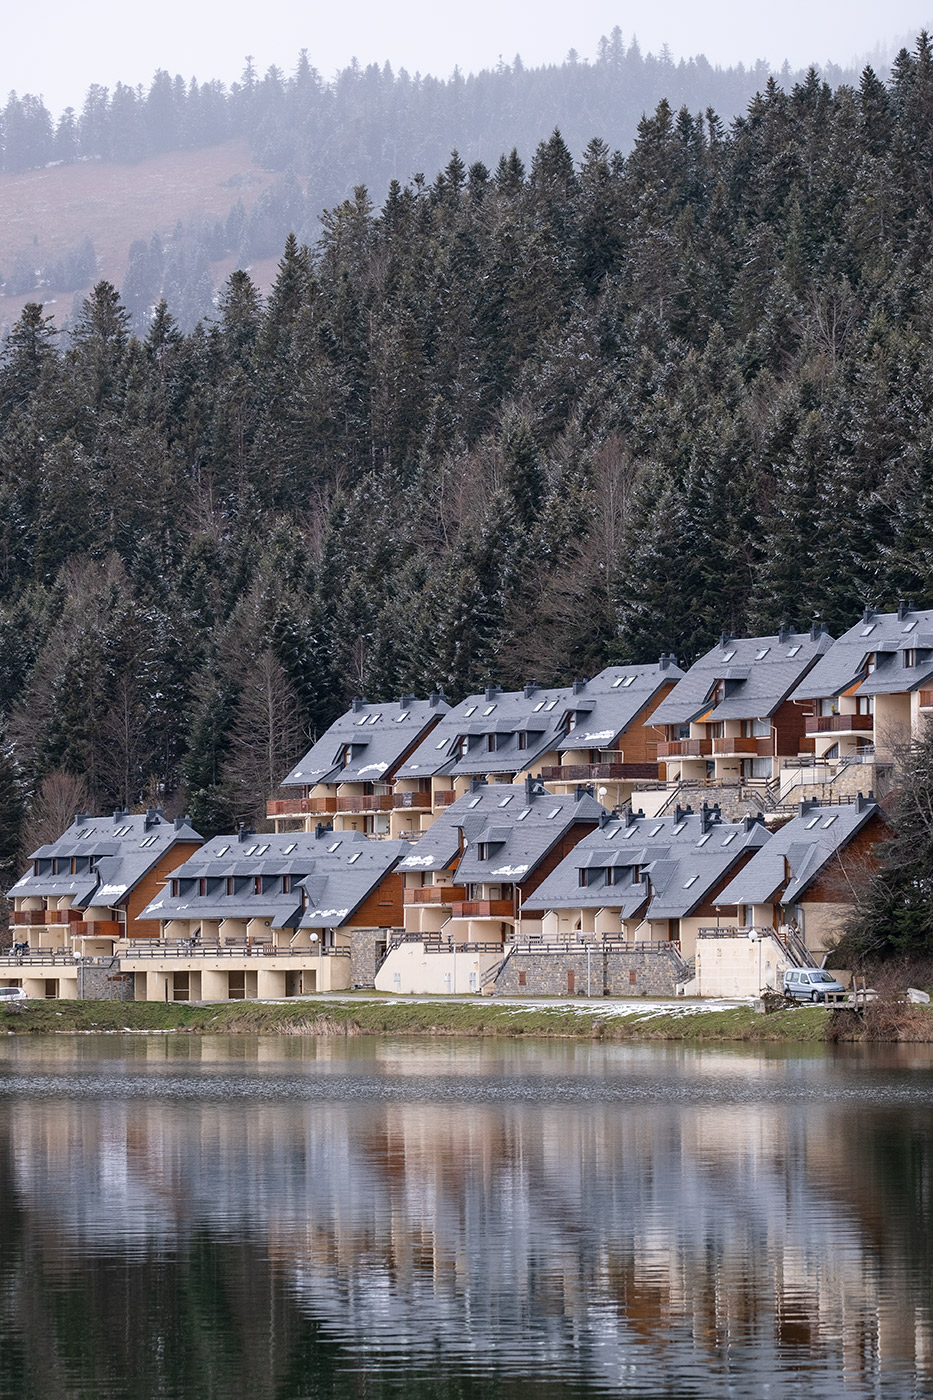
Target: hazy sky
x: 61, y: 47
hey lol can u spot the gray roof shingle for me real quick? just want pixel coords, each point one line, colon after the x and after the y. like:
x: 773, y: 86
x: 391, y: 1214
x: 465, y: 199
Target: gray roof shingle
x: 367, y: 743
x: 889, y: 636
x: 111, y: 855
x: 759, y: 674
x: 662, y: 867
x: 797, y: 853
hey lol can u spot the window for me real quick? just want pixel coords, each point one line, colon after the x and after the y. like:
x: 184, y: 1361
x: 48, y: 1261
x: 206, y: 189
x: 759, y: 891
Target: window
x: 286, y: 884
x: 611, y: 874
x: 865, y: 704
x: 489, y: 709
x: 522, y: 739
x: 231, y: 885
x: 400, y: 719
x: 553, y: 813
x: 678, y: 828
x: 627, y: 835
x: 629, y: 680
x: 175, y: 886
x: 655, y: 829
x: 794, y: 650
x: 149, y: 841
x: 441, y: 744
x: 728, y: 655
x: 470, y: 710
x: 261, y: 850
x: 550, y: 705
x: 474, y: 802
x: 334, y: 847
x: 539, y: 706
x: 482, y: 850
x: 354, y: 858
x: 506, y: 800
x: 910, y: 657
x: 812, y: 822
x: 362, y: 721
x: 611, y: 835
x: 290, y: 848
x: 910, y: 626
x: 829, y: 820
x: 202, y: 886
x: 760, y: 655
x: 374, y: 719
x: 731, y: 837
x: 703, y: 839
x: 867, y: 631
x: 257, y: 884
x: 492, y: 742
x: 617, y: 682
x: 583, y: 876
x: 522, y: 815
x: 221, y: 850
x: 692, y: 881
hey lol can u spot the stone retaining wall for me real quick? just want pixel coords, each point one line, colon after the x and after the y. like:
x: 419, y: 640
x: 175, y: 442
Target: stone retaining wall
x: 104, y: 981
x: 530, y: 972
x: 363, y: 953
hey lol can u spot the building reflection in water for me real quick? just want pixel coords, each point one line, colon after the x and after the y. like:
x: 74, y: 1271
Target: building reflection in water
x: 646, y: 1241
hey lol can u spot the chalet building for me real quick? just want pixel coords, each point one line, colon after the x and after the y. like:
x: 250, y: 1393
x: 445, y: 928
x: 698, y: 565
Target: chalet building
x: 804, y: 876
x: 275, y: 915
x: 872, y: 690
x: 644, y: 880
x: 85, y: 890
x: 347, y: 777
x: 467, y: 879
x: 604, y: 736
x: 731, y: 719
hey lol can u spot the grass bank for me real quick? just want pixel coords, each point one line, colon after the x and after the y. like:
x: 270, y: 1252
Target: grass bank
x: 335, y: 1017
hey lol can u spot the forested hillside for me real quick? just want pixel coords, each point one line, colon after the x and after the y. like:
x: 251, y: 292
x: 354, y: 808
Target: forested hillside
x: 513, y: 423
x: 322, y: 137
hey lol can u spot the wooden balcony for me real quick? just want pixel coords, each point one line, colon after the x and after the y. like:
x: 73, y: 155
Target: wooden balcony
x: 926, y: 699
x: 44, y: 918
x: 403, y: 800
x: 445, y: 797
x: 761, y: 748
x: 100, y: 928
x: 584, y: 772
x: 686, y: 748
x: 840, y: 724
x: 300, y: 807
x: 436, y: 894
x: 368, y: 802
x: 484, y: 909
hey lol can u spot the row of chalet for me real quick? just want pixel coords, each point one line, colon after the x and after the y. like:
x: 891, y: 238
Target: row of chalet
x: 504, y: 867
x: 768, y: 711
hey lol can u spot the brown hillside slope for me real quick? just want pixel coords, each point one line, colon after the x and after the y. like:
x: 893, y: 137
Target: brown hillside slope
x: 51, y: 210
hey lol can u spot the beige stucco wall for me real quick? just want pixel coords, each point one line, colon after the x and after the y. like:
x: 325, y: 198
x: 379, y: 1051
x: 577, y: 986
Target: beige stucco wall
x: 738, y: 967
x: 822, y: 922
x: 410, y: 970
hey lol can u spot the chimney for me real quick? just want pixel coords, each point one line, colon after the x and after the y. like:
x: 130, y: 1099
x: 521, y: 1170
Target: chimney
x: 604, y: 819
x: 724, y: 638
x: 476, y: 784
x: 79, y: 818
x: 867, y: 614
x: 580, y: 791
x: 664, y: 661
x: 816, y: 630
x: 903, y: 608
x: 530, y: 688
x: 437, y: 697
x: 117, y: 815
x: 358, y: 703
x: 241, y: 832
x: 678, y: 814
x: 152, y: 817
x: 750, y: 822
x: 492, y: 691
x: 784, y: 634
x: 806, y: 805
x: 579, y: 687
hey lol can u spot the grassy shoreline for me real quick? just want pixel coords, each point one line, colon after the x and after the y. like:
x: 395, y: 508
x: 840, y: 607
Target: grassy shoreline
x: 336, y: 1017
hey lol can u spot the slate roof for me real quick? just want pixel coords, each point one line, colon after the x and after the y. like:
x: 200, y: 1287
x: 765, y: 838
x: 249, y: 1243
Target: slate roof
x: 888, y: 635
x: 519, y: 824
x: 366, y: 743
x: 337, y: 871
x: 111, y: 854
x: 760, y: 673
x: 603, y: 708
x: 537, y: 714
x: 662, y: 867
x: 798, y: 852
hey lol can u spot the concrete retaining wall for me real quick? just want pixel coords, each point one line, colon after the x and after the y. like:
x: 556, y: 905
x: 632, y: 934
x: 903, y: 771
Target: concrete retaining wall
x: 530, y: 972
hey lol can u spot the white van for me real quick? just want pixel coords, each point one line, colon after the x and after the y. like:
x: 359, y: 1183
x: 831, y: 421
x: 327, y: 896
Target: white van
x: 810, y: 983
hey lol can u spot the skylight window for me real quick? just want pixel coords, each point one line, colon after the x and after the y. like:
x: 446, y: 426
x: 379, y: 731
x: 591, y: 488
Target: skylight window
x: 374, y: 719
x: 250, y: 852
x: 400, y: 719
x: 149, y: 841
x: 489, y: 709
x: 812, y: 822
x: 909, y: 627
x: 655, y: 829
x: 617, y: 682
x: 703, y: 839
x: 629, y: 833
x: 539, y: 706
x: 442, y: 744
x: 522, y: 815
x: 731, y: 837
x: 364, y: 720
x: 612, y: 834
x: 221, y: 850
x: 355, y: 856
x: 629, y: 680
x: 288, y: 849
x: 692, y: 881
x: 261, y: 851
x: 867, y: 631
x: 475, y: 802
x: 728, y: 655
x: 553, y: 813
x: 794, y: 650
x: 470, y: 710
x: 506, y: 800
x: 550, y: 705
x: 829, y: 820
x: 760, y: 655
x: 334, y: 846
x: 679, y: 828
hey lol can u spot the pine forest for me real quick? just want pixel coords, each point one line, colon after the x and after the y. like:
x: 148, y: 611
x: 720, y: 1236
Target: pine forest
x: 495, y: 424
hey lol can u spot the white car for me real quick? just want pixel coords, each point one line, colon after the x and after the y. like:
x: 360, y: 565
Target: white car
x: 810, y: 984
x: 12, y: 994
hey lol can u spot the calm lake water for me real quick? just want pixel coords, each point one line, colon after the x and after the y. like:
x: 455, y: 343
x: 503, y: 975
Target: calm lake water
x: 284, y: 1218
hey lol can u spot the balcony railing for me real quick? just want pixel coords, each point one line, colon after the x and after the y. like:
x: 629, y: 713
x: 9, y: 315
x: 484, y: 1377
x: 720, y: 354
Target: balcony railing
x: 762, y: 748
x: 300, y: 807
x: 582, y: 772
x: 445, y: 797
x: 99, y: 928
x: 926, y: 699
x: 435, y: 894
x: 371, y: 802
x: 484, y: 909
x: 401, y: 800
x: 686, y: 748
x: 839, y: 724
x: 43, y: 918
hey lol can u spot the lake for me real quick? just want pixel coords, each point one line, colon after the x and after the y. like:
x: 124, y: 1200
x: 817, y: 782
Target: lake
x: 277, y: 1218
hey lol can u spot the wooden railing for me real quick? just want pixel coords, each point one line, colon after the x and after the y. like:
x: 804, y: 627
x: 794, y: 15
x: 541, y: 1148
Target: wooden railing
x: 686, y: 748
x: 300, y: 807
x: 369, y: 802
x: 435, y: 894
x: 100, y: 928
x: 926, y: 699
x: 484, y: 909
x: 742, y: 744
x: 39, y: 918
x: 445, y: 797
x: 411, y: 799
x: 582, y: 772
x: 838, y: 724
